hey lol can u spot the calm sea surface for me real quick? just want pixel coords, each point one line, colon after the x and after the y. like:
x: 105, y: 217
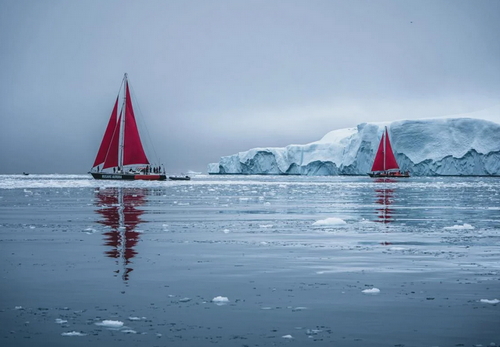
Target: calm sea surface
x: 290, y: 261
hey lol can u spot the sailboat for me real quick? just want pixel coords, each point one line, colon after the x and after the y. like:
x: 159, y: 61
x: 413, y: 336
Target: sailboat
x: 121, y: 153
x: 385, y: 164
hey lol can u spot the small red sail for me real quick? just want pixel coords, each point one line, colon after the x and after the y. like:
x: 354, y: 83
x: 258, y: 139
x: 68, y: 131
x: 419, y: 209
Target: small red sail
x: 378, y: 163
x: 108, y: 134
x: 390, y: 160
x: 112, y: 154
x: 133, y: 153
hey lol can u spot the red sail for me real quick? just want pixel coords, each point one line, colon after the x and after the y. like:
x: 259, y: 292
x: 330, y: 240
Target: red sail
x: 133, y: 153
x: 106, y: 140
x: 378, y: 163
x: 112, y: 154
x: 390, y: 160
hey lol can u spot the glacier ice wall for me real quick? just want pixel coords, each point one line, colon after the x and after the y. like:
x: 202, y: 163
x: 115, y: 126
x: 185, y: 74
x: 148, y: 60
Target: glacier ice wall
x: 452, y: 146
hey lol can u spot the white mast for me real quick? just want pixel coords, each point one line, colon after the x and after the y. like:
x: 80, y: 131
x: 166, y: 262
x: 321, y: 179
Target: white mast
x: 122, y: 125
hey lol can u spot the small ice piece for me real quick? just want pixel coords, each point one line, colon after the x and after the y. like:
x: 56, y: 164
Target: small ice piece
x: 287, y: 336
x: 494, y: 301
x: 265, y: 225
x: 397, y: 249
x: 267, y: 203
x: 300, y: 308
x: 32, y: 227
x: 330, y: 221
x: 61, y: 321
x: 225, y: 231
x: 460, y: 227
x: 73, y: 333
x: 184, y: 299
x: 136, y: 318
x: 220, y: 300
x: 18, y: 307
x: 371, y: 291
x: 266, y: 308
x: 110, y: 324
x: 244, y: 199
x: 129, y: 331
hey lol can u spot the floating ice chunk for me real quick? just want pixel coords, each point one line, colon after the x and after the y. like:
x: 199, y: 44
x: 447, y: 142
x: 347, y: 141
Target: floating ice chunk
x: 220, y: 300
x: 225, y: 231
x: 266, y: 308
x: 287, y: 336
x: 460, y: 227
x: 397, y: 249
x: 494, y: 301
x: 244, y: 199
x: 61, y: 321
x: 136, y: 318
x: 18, y: 308
x: 371, y: 291
x: 300, y: 308
x: 266, y: 225
x: 330, y: 221
x: 267, y: 203
x: 32, y: 227
x: 129, y: 331
x: 73, y: 333
x: 184, y: 299
x: 110, y: 324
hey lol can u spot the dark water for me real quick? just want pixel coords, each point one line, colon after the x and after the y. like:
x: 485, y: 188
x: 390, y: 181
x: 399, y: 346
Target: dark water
x: 151, y: 257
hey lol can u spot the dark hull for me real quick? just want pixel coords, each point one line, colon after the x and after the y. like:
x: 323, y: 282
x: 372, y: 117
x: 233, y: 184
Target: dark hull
x: 388, y: 175
x: 127, y: 177
x: 179, y: 178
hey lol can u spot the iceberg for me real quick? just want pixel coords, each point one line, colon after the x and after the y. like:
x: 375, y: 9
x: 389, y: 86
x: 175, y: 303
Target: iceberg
x: 430, y: 147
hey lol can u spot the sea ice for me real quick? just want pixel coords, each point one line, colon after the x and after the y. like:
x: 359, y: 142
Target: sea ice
x: 110, y: 324
x: 136, y: 318
x: 287, y: 336
x: 494, y: 301
x: 371, y: 291
x: 220, y: 300
x: 330, y: 221
x: 73, y: 333
x: 460, y: 227
x: 61, y: 321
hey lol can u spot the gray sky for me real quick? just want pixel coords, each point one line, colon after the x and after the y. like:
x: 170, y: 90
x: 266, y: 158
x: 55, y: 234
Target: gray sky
x: 213, y: 78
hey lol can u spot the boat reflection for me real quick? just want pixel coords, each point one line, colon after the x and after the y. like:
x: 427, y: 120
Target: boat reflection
x: 385, y: 198
x: 118, y: 208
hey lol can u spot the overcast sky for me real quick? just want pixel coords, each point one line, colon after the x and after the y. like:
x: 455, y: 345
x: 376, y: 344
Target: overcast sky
x: 213, y: 78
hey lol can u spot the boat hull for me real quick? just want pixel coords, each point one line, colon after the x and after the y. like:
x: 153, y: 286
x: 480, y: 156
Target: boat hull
x: 388, y: 175
x: 127, y: 177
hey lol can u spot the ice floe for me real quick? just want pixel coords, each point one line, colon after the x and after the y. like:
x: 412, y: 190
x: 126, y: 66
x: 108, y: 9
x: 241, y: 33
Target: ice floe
x: 136, y: 318
x: 487, y: 301
x: 220, y: 300
x: 333, y: 221
x: 73, y: 333
x: 110, y: 323
x: 371, y: 291
x: 61, y: 321
x: 460, y: 227
x: 287, y: 336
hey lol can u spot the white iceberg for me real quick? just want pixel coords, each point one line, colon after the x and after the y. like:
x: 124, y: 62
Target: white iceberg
x: 371, y: 291
x: 219, y: 300
x: 448, y: 146
x: 494, y: 301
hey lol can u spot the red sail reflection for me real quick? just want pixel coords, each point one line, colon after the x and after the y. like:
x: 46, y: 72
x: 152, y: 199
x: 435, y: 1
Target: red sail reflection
x: 118, y: 207
x: 385, y: 198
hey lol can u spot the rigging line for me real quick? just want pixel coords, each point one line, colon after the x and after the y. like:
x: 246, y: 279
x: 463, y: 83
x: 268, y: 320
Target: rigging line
x: 143, y: 121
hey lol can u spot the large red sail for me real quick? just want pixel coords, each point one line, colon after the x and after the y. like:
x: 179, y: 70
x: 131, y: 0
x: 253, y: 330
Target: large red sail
x: 106, y: 140
x: 378, y: 163
x: 133, y: 153
x: 390, y: 160
x: 112, y: 154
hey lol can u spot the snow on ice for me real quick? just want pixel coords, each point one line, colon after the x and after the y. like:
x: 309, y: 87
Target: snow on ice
x: 448, y: 146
